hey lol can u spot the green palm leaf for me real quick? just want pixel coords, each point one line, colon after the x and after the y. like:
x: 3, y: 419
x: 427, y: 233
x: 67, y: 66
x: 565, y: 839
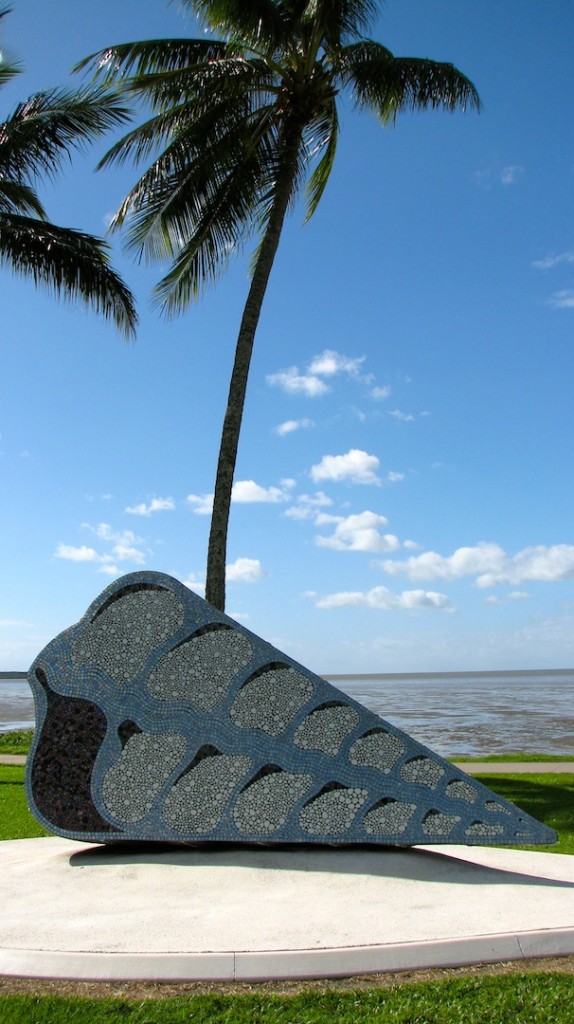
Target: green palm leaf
x: 34, y: 141
x: 70, y: 263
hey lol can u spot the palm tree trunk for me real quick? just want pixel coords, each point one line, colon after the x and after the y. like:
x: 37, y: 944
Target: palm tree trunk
x: 217, y: 547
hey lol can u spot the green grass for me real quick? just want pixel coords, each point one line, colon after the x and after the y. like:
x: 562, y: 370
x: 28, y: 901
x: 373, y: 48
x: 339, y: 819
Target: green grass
x: 16, y: 822
x: 16, y: 742
x: 548, y: 798
x: 518, y: 998
x: 519, y: 756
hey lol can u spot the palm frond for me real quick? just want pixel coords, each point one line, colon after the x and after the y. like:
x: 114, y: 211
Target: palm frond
x: 329, y: 134
x: 41, y: 131
x: 213, y: 225
x: 339, y: 19
x: 256, y: 24
x: 388, y: 85
x: 17, y: 197
x: 151, y: 56
x: 9, y: 67
x: 70, y: 263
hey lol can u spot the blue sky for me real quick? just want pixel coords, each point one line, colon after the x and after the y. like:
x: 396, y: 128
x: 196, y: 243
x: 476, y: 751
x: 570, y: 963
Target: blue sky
x: 404, y: 484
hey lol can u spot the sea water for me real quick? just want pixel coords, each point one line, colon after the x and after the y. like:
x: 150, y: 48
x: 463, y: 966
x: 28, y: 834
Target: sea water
x: 472, y: 713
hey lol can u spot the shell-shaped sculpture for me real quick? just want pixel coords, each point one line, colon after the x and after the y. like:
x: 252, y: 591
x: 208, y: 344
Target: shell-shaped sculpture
x: 159, y: 718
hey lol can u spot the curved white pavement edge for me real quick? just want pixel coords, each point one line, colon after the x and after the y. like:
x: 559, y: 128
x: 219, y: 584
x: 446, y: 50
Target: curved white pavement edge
x: 71, y: 910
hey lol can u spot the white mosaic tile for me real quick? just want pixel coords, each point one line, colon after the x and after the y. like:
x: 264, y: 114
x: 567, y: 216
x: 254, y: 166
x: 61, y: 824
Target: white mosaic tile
x: 389, y: 818
x: 436, y: 823
x: 496, y: 807
x: 201, y: 670
x: 332, y: 812
x: 270, y: 701
x: 378, y: 749
x: 125, y: 634
x: 264, y: 805
x: 196, y: 803
x: 481, y: 828
x: 132, y: 784
x: 326, y: 728
x: 459, y: 789
x: 422, y: 770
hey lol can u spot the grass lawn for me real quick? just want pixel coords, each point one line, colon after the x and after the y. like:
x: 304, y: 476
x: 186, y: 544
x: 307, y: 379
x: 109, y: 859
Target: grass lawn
x: 519, y: 756
x: 16, y: 742
x: 517, y: 998
x: 16, y: 822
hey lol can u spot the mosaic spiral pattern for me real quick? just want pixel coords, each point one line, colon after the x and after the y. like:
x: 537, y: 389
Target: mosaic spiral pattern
x: 437, y: 824
x: 422, y: 771
x: 196, y: 803
x: 461, y: 790
x: 389, y: 818
x: 159, y: 718
x: 332, y: 813
x: 269, y: 701
x: 132, y: 784
x: 378, y: 749
x: 112, y: 643
x: 326, y: 728
x: 202, y: 669
x: 264, y: 805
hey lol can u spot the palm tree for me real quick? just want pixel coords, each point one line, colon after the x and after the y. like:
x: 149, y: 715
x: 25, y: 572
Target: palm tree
x: 33, y: 142
x: 236, y: 127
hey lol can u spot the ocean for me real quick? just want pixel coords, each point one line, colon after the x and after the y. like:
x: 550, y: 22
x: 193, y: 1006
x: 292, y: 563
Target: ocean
x: 472, y: 713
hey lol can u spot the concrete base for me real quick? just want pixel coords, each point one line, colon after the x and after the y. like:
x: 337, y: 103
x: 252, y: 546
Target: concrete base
x: 71, y: 910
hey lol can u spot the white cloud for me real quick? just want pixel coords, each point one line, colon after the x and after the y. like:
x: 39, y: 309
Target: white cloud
x: 77, y: 554
x: 356, y: 466
x: 247, y: 491
x: 329, y: 363
x: 380, y: 393
x: 510, y: 175
x: 244, y: 570
x: 317, y: 500
x: 14, y: 624
x: 290, y: 426
x: 202, y: 504
x: 195, y: 583
x: 299, y: 512
x: 295, y: 383
x: 382, y: 599
x: 563, y: 299
x: 511, y: 598
x: 359, y: 532
x: 490, y: 564
x: 109, y: 570
x: 394, y: 478
x: 308, y: 506
x: 125, y: 552
x: 123, y: 543
x: 404, y: 417
x: 155, y: 505
x: 552, y: 261
x: 123, y: 548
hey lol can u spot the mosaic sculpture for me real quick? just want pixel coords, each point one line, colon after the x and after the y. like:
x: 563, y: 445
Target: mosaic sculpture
x: 159, y: 718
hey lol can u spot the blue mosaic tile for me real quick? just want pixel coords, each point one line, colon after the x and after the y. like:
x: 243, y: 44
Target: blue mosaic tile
x: 160, y: 719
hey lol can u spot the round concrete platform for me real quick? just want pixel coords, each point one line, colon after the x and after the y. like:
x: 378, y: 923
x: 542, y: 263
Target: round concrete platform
x: 71, y: 910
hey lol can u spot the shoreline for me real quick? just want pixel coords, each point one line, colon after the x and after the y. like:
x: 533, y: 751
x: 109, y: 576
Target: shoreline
x: 485, y: 674
x: 330, y: 676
